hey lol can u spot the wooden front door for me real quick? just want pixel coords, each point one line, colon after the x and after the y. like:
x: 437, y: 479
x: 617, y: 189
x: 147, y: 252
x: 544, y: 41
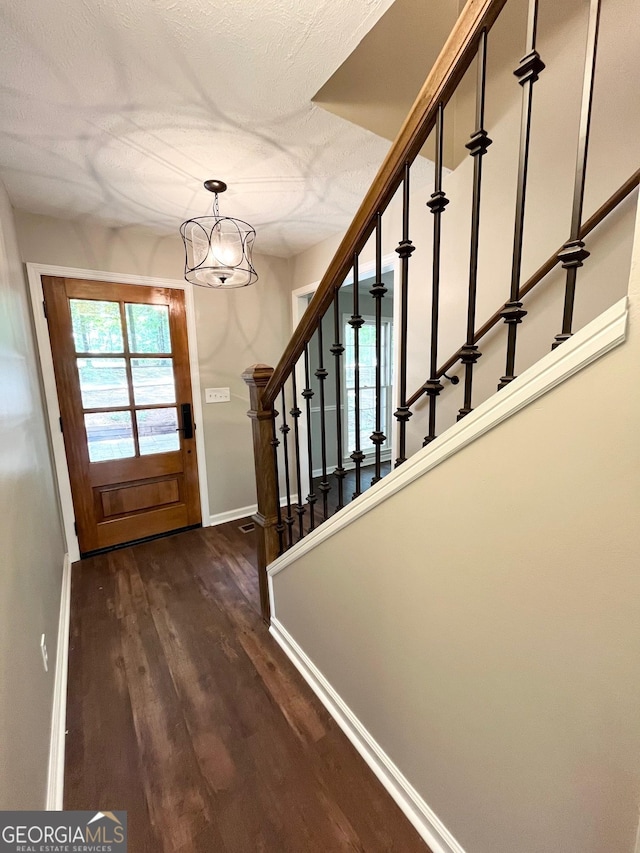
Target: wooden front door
x: 121, y: 362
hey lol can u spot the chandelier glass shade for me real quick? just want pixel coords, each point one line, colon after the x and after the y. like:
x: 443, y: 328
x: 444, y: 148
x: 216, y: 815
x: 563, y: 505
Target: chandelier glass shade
x: 218, y: 248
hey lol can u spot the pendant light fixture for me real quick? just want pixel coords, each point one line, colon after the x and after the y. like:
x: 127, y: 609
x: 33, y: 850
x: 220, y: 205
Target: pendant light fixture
x: 218, y: 248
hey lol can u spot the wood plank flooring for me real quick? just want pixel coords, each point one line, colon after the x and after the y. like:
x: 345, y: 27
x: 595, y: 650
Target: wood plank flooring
x: 183, y: 711
x: 348, y: 491
x: 348, y: 487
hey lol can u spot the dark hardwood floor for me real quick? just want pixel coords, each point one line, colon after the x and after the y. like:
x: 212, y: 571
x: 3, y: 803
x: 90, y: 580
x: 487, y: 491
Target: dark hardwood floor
x: 348, y: 491
x: 348, y: 486
x: 183, y: 711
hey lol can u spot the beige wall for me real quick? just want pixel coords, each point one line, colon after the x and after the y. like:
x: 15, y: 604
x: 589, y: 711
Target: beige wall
x: 377, y: 84
x: 233, y: 329
x: 486, y: 628
x: 613, y: 157
x: 31, y: 547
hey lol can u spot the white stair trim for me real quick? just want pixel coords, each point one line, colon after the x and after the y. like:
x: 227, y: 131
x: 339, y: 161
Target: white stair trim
x: 594, y: 340
x: 423, y: 818
x: 55, y: 774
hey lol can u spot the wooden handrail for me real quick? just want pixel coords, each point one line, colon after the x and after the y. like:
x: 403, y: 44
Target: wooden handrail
x: 601, y: 213
x: 449, y: 68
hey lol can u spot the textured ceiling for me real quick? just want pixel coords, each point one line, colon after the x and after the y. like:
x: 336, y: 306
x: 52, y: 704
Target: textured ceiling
x: 119, y: 109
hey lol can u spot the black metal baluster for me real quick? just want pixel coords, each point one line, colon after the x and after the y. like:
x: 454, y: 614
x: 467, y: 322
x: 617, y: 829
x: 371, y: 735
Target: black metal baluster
x: 321, y: 374
x: 285, y: 429
x: 378, y: 291
x: 338, y: 349
x: 527, y: 73
x: 573, y: 252
x: 477, y: 146
x: 307, y: 394
x: 356, y: 321
x: 295, y: 413
x: 436, y: 204
x: 275, y: 443
x: 405, y: 250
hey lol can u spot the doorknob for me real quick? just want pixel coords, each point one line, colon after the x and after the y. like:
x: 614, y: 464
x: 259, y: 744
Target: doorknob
x: 187, y: 421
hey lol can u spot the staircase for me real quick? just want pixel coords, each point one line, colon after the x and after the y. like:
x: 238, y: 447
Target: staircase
x: 290, y: 505
x: 470, y: 617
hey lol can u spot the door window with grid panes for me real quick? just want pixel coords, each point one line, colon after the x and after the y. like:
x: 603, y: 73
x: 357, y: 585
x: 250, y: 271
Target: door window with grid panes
x: 126, y: 381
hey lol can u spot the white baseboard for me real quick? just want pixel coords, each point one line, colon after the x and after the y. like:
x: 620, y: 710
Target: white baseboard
x: 242, y: 512
x: 55, y: 775
x: 593, y: 341
x: 233, y: 514
x: 425, y: 821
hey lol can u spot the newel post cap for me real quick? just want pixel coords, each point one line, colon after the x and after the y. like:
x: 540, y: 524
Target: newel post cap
x: 257, y: 374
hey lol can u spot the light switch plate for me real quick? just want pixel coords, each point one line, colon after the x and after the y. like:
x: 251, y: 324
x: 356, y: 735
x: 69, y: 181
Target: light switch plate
x: 217, y: 395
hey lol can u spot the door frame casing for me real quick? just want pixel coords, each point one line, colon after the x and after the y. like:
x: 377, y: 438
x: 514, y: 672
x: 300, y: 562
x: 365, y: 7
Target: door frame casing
x: 45, y: 357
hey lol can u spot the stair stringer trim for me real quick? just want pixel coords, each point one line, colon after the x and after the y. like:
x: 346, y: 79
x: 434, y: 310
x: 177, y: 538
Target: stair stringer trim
x: 421, y: 816
x: 597, y: 338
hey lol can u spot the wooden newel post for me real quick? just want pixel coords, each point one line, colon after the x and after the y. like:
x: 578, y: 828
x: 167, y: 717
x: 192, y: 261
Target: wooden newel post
x: 266, y: 518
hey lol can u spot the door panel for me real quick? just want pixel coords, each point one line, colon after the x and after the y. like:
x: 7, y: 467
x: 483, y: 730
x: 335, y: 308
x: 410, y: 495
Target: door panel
x: 117, y: 500
x: 121, y: 361
x: 127, y: 470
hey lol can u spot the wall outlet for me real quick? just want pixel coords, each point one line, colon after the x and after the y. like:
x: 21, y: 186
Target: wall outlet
x: 45, y: 654
x: 217, y: 395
